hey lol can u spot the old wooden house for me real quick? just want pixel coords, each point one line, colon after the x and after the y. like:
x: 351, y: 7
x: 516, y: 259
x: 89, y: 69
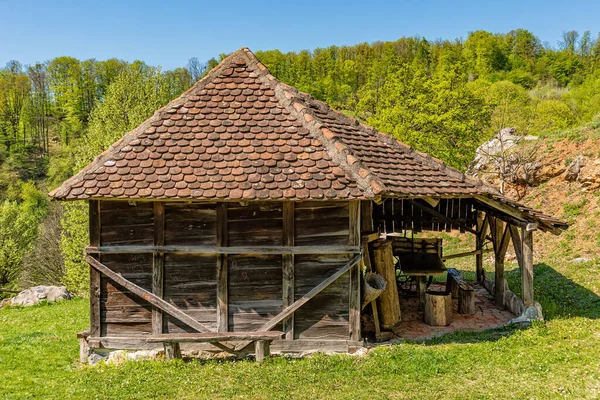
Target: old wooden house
x: 240, y: 213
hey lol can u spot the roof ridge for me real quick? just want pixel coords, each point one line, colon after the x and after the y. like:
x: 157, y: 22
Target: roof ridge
x: 424, y: 158
x: 371, y: 185
x: 128, y: 137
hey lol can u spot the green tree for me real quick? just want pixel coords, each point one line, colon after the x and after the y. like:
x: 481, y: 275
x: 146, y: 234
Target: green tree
x: 133, y: 96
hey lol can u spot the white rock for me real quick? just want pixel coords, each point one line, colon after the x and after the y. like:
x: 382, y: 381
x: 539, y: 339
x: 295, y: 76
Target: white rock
x: 36, y: 294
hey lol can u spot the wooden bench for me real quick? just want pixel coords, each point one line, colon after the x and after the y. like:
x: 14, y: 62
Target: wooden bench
x: 462, y: 290
x: 262, y: 341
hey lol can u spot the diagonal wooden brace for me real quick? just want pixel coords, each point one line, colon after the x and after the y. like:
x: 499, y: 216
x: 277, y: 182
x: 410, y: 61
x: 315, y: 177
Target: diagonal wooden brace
x: 151, y: 298
x: 304, y: 299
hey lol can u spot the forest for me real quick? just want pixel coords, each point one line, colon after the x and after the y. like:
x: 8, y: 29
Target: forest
x: 443, y: 97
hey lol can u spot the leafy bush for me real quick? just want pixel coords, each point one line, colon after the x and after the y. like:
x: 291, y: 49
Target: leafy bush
x: 18, y: 228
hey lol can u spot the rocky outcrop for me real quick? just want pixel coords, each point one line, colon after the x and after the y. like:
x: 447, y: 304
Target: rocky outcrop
x: 589, y: 175
x: 36, y: 294
x: 572, y: 172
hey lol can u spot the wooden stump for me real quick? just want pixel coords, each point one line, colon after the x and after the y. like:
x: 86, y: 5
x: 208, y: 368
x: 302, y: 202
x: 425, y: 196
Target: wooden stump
x: 466, y: 302
x: 438, y: 309
x: 388, y: 302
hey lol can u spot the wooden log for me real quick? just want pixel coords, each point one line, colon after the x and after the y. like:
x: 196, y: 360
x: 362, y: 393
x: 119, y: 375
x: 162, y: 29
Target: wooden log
x: 438, y: 309
x: 388, y: 302
x: 366, y: 216
x: 466, y: 302
x: 172, y: 350
x: 355, y: 272
x: 94, y: 229
x: 501, y: 240
x: 527, y: 269
x: 288, y: 267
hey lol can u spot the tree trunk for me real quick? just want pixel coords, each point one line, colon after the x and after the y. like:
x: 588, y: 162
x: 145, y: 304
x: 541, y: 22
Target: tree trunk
x: 388, y: 302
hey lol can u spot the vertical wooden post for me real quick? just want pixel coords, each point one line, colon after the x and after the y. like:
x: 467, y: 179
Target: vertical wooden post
x: 288, y: 267
x: 527, y: 268
x: 366, y: 216
x: 355, y: 272
x: 172, y: 351
x: 158, y: 264
x: 94, y: 223
x: 261, y: 350
x: 501, y: 239
x: 479, y: 239
x: 222, y: 272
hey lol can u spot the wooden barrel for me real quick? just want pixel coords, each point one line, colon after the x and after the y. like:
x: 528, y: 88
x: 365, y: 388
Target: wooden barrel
x: 388, y: 302
x: 438, y: 308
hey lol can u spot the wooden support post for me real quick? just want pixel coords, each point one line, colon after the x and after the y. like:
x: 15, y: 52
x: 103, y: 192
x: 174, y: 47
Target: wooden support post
x: 527, y: 268
x: 479, y: 239
x: 366, y: 216
x: 388, y: 302
x: 261, y: 350
x: 222, y: 270
x: 501, y: 239
x: 94, y: 217
x: 288, y: 267
x: 158, y: 264
x: 355, y: 272
x: 421, y: 289
x: 172, y: 350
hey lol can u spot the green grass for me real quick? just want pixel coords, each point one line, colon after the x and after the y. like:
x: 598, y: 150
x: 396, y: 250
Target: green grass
x: 559, y: 358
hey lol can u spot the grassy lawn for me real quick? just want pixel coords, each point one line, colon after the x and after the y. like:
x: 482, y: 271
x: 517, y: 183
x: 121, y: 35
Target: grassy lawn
x: 555, y: 359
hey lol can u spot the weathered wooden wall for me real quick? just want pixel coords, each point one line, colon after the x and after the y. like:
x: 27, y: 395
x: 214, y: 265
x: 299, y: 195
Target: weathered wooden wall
x: 250, y: 288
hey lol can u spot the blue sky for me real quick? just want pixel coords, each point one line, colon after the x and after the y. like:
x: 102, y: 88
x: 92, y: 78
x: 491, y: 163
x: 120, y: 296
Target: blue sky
x: 169, y: 33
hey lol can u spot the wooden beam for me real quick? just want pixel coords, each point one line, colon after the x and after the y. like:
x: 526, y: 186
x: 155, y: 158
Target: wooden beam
x: 477, y: 253
x: 527, y: 270
x: 286, y: 312
x: 158, y: 264
x: 222, y: 271
x: 275, y: 250
x: 482, y: 227
x: 95, y: 288
x: 443, y: 217
x: 354, y: 239
x: 287, y: 263
x: 212, y: 337
x: 516, y: 239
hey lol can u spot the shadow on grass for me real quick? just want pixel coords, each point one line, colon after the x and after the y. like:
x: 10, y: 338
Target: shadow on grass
x: 559, y: 296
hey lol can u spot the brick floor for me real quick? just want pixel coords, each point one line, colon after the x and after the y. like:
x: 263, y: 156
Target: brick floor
x: 487, y: 316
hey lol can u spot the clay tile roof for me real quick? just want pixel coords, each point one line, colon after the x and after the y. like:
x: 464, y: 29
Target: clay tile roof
x: 239, y: 133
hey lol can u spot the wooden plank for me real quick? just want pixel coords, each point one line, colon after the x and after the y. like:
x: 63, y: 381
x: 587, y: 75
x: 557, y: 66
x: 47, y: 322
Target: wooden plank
x: 527, y: 269
x: 516, y: 239
x: 326, y: 249
x: 260, y: 348
x: 288, y: 267
x: 94, y: 229
x: 158, y: 264
x: 354, y: 239
x: 222, y: 271
x: 215, y: 337
x: 304, y: 299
